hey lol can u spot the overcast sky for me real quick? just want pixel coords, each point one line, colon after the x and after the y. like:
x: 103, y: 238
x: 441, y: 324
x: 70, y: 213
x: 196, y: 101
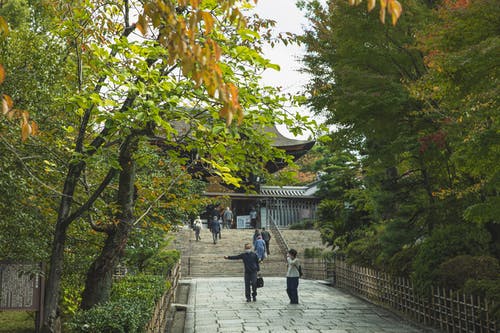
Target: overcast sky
x: 289, y: 18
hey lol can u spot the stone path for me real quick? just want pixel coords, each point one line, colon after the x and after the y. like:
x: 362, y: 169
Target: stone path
x: 218, y: 305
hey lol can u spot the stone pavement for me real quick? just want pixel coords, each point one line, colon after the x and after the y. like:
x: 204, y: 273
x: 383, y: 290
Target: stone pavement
x: 218, y: 305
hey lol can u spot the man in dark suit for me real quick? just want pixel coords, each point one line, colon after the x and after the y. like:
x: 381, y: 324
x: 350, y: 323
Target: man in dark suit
x: 251, y: 263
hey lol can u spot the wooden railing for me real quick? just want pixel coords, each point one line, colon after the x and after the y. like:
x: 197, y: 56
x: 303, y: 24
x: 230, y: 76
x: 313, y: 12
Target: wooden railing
x: 159, y: 319
x: 445, y: 309
x: 279, y: 239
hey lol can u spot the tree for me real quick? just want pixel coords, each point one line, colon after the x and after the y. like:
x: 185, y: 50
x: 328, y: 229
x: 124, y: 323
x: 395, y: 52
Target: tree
x: 177, y: 88
x: 357, y: 84
x: 413, y: 106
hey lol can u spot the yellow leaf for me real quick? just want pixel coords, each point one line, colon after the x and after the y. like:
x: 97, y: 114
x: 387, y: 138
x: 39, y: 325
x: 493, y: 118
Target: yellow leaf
x: 229, y: 118
x: 25, y: 130
x: 352, y: 2
x: 382, y: 15
x: 209, y: 21
x: 5, y: 107
x: 234, y: 94
x: 4, y: 27
x: 2, y: 74
x: 34, y: 128
x: 25, y: 115
x: 395, y: 9
x: 142, y: 24
x: 371, y: 4
x: 9, y: 101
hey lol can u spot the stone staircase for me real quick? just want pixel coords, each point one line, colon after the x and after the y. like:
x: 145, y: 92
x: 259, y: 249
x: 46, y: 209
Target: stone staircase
x: 205, y: 259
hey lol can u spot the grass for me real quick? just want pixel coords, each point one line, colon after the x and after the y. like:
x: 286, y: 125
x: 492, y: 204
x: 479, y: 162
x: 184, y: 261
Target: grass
x: 17, y: 322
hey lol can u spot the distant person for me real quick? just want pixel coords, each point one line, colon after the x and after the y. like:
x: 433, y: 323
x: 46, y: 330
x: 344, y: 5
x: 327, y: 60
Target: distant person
x: 292, y: 276
x: 251, y: 263
x: 197, y: 225
x: 260, y: 248
x: 266, y: 236
x: 227, y: 218
x: 221, y: 224
x: 215, y: 230
x: 253, y: 217
x: 255, y: 235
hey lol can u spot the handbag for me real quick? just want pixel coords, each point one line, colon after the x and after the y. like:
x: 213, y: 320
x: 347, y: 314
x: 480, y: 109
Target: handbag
x: 260, y: 282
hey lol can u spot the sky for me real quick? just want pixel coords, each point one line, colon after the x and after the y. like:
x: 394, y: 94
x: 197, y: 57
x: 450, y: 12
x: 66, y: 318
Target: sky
x: 288, y: 18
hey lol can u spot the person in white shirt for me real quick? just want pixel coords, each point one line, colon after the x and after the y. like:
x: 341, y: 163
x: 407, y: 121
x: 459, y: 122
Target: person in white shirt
x: 292, y: 276
x: 197, y: 225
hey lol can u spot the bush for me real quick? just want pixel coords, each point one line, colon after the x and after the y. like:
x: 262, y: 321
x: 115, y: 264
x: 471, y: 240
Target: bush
x: 487, y: 289
x: 129, y: 309
x: 400, y: 264
x: 113, y: 317
x: 306, y: 224
x: 162, y: 262
x: 455, y: 272
x: 445, y: 243
x: 315, y: 252
x: 364, y: 251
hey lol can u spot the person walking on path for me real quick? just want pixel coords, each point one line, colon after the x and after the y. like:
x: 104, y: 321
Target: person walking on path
x: 197, y: 227
x: 255, y: 235
x: 266, y: 236
x: 227, y: 218
x: 260, y: 248
x: 215, y: 230
x: 292, y: 276
x: 251, y: 263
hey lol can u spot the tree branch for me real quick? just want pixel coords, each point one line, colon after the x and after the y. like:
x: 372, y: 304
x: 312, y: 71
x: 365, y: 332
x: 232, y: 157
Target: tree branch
x: 76, y: 214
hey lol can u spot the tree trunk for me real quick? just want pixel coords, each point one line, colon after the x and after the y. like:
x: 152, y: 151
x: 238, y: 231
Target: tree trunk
x: 100, y: 275
x: 50, y: 316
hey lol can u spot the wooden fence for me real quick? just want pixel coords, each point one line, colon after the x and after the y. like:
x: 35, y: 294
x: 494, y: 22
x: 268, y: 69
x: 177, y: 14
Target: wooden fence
x: 444, y: 309
x: 159, y: 319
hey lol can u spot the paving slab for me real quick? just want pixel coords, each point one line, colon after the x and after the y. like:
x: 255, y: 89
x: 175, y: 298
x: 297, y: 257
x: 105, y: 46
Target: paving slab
x: 218, y: 305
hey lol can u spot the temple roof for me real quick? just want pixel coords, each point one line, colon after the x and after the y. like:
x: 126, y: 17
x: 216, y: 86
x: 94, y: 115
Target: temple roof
x: 282, y: 141
x: 293, y: 147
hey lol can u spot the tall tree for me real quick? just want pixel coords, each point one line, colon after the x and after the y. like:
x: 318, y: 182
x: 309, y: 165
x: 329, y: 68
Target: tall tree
x: 412, y: 103
x: 177, y: 87
x: 460, y: 90
x: 358, y: 68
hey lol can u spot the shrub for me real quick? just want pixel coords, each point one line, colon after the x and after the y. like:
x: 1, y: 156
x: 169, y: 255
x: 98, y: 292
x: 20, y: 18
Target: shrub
x: 162, y: 262
x: 400, y: 264
x: 487, y: 289
x: 455, y: 272
x: 306, y: 224
x: 363, y: 251
x: 446, y: 242
x: 113, y: 317
x: 129, y: 309
x: 315, y: 252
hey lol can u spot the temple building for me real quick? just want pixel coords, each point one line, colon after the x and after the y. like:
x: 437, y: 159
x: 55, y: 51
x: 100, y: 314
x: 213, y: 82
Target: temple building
x: 283, y: 205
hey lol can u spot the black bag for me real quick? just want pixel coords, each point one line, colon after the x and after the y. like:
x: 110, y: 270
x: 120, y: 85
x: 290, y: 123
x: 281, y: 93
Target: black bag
x: 300, y: 271
x: 260, y: 282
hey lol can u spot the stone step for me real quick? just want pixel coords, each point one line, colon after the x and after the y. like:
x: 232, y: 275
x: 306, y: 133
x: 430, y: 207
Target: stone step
x: 205, y: 259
